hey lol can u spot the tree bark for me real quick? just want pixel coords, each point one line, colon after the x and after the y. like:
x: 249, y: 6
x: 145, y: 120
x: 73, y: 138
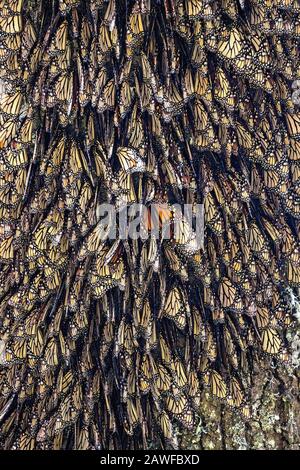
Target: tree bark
x: 275, y: 418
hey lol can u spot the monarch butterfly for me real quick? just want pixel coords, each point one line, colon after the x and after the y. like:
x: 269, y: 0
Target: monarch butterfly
x: 293, y: 273
x: 36, y: 343
x: 147, y: 373
x: 16, y: 159
x: 60, y: 38
x: 136, y: 133
x: 64, y: 87
x: 132, y: 411
x: 202, y: 120
x: 163, y: 379
x: 256, y: 239
x: 10, y: 105
x: 108, y: 96
x: 193, y: 8
x: 230, y: 44
x: 175, y: 262
x: 202, y: 87
x: 196, y: 322
x: 165, y: 351
x: 216, y: 384
x: 124, y: 188
x: 7, y: 249
x: 70, y: 406
x: 222, y: 89
x: 227, y: 292
x: 130, y: 160
x: 146, y: 70
x: 26, y: 442
x: 166, y: 425
x: 132, y: 386
x: 12, y: 43
x: 136, y: 26
x: 51, y: 352
x: 144, y: 317
x: 271, y: 341
x: 179, y: 374
x: 188, y: 84
x: 236, y: 395
x: 263, y: 317
x: 85, y: 37
x: 105, y: 39
x: 11, y: 24
x: 175, y: 307
x: 28, y: 36
x: 126, y: 97
x: 182, y: 230
x: 177, y: 403
x: 13, y: 5
x: 157, y: 217
x: 293, y: 124
x: 82, y: 441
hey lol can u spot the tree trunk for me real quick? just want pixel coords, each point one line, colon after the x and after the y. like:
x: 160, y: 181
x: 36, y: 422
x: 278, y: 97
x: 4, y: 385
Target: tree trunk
x: 275, y: 418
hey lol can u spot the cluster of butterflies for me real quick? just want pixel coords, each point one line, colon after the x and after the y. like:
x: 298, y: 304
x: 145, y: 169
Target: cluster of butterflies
x: 111, y: 343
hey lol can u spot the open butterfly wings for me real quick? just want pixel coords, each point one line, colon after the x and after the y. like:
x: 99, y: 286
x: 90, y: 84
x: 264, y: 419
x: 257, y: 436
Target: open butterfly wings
x: 109, y: 344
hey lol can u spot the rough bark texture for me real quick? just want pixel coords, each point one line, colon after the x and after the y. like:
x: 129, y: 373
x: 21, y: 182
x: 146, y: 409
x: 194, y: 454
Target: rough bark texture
x: 275, y: 418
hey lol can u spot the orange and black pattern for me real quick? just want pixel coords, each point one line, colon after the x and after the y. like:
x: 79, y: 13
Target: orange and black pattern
x: 108, y: 344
